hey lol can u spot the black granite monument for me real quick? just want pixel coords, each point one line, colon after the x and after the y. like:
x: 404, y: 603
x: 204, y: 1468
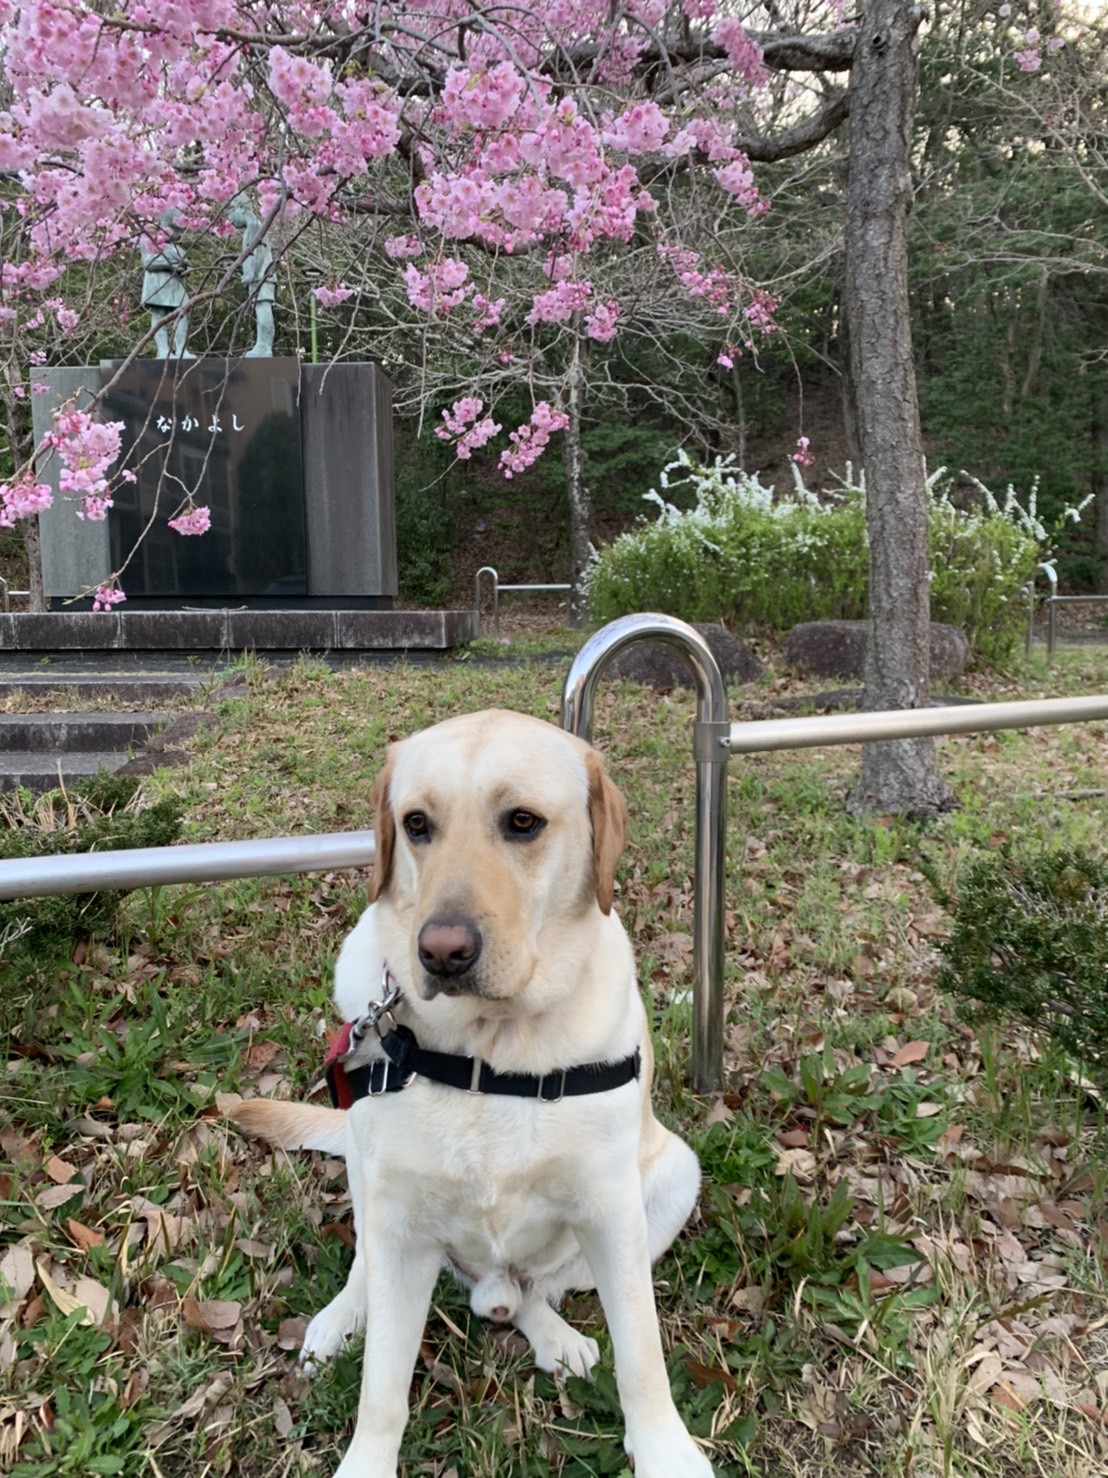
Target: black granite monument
x: 232, y: 432
x: 294, y: 463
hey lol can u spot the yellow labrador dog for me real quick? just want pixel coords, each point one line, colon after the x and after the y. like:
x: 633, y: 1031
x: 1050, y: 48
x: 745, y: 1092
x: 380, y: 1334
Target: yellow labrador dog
x: 506, y: 1127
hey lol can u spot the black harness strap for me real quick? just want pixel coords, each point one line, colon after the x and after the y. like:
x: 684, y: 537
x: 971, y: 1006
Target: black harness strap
x: 405, y: 1059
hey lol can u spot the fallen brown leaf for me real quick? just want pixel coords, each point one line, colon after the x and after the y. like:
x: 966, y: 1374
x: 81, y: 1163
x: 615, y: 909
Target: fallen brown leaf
x: 60, y: 1171
x: 910, y: 1052
x: 82, y: 1236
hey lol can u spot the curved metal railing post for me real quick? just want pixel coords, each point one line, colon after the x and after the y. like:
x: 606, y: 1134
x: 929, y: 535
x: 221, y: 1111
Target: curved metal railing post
x: 711, y: 733
x: 487, y: 570
x: 1052, y: 626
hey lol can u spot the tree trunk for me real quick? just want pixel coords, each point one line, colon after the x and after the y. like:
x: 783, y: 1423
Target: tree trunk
x: 1100, y: 476
x: 32, y: 543
x: 849, y: 398
x: 576, y: 489
x: 899, y: 775
x: 740, y: 416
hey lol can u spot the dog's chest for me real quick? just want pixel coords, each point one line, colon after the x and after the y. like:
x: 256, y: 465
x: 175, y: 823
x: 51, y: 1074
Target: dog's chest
x: 497, y: 1183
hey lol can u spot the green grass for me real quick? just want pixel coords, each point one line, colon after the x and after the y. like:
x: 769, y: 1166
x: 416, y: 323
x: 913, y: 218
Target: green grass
x: 899, y: 1263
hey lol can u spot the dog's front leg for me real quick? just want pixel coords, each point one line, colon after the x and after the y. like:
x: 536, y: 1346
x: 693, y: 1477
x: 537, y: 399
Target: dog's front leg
x: 615, y: 1244
x: 400, y: 1273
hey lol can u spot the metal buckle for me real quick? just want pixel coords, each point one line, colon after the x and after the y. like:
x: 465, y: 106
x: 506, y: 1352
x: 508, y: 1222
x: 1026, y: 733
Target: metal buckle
x: 475, y: 1076
x: 384, y: 1088
x: 541, y: 1096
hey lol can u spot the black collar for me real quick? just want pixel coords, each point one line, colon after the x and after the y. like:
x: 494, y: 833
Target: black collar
x: 404, y: 1060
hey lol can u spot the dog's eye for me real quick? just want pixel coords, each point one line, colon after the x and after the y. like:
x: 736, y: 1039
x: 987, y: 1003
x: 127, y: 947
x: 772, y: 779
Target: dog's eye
x: 417, y: 827
x: 521, y: 826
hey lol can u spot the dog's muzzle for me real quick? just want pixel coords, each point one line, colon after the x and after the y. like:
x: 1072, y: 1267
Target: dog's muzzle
x: 449, y: 945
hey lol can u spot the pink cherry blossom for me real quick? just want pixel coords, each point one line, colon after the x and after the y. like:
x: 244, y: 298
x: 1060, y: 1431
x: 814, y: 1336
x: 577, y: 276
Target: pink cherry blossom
x: 196, y: 519
x: 86, y: 449
x: 529, y: 441
x: 802, y: 456
x: 603, y: 322
x: 469, y: 128
x: 744, y: 54
x: 333, y: 294
x: 107, y: 595
x: 22, y: 499
x: 440, y: 288
x: 462, y: 421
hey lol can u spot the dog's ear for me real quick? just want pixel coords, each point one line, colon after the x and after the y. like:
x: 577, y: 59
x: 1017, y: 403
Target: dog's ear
x: 608, y: 814
x: 385, y: 828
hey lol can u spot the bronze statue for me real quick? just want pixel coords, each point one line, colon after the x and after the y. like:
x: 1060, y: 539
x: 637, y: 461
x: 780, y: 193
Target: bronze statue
x: 257, y: 276
x: 163, y: 288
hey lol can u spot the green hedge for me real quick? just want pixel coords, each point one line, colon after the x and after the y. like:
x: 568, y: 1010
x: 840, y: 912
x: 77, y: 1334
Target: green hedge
x: 753, y: 560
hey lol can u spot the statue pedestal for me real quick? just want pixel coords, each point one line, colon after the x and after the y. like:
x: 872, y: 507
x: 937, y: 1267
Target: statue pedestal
x: 294, y: 463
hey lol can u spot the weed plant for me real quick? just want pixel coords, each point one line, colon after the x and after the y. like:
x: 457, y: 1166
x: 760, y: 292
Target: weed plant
x: 1030, y: 939
x: 102, y: 814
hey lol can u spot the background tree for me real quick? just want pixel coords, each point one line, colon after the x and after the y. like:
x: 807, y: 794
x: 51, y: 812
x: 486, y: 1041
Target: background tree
x: 902, y: 774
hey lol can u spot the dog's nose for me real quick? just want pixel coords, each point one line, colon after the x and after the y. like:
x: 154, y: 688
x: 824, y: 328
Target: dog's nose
x: 449, y: 946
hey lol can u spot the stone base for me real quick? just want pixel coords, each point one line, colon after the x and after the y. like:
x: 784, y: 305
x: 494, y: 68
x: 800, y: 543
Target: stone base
x: 661, y: 667
x: 237, y: 631
x: 838, y: 649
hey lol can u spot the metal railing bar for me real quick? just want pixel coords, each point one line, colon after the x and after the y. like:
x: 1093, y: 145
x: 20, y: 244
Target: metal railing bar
x: 1052, y: 580
x: 193, y: 862
x: 566, y: 586
x: 496, y: 591
x: 710, y: 856
x: 6, y: 593
x: 759, y: 735
x: 1052, y: 603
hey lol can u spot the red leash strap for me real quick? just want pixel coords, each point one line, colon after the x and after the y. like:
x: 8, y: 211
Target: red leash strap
x: 339, y: 1088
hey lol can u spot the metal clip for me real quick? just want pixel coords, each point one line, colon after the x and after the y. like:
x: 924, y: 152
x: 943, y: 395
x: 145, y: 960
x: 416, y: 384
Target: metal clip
x: 376, y: 1011
x: 475, y: 1076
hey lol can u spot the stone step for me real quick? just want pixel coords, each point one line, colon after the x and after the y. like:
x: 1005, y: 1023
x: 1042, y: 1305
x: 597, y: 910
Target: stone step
x: 236, y: 630
x: 128, y: 693
x: 46, y: 734
x: 41, y: 772
x: 131, y: 680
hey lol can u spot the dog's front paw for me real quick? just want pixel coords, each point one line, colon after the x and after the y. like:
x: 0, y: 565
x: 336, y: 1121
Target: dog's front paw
x: 671, y: 1454
x: 343, y: 1317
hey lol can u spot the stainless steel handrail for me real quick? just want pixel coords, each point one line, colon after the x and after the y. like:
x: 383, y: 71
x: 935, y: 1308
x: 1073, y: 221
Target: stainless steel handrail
x: 496, y: 590
x: 1052, y: 580
x: 715, y: 740
x: 1053, y: 601
x: 813, y: 731
x: 194, y: 862
x: 709, y: 730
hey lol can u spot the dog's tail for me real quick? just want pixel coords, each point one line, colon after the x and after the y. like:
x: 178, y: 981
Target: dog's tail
x: 293, y: 1126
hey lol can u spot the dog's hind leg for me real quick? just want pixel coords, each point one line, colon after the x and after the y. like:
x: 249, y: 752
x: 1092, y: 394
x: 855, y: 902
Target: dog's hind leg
x: 557, y: 1346
x: 670, y: 1185
x: 343, y: 1317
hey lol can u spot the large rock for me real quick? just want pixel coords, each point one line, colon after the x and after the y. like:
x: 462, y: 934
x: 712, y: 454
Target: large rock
x: 838, y: 649
x: 661, y: 666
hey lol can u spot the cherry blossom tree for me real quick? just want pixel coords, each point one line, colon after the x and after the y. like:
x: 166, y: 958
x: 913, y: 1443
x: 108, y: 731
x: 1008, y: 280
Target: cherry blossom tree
x: 493, y: 144
x: 534, y: 143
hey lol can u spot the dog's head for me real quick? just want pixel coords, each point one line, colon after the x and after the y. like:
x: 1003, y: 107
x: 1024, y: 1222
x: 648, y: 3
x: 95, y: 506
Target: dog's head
x: 495, y: 832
